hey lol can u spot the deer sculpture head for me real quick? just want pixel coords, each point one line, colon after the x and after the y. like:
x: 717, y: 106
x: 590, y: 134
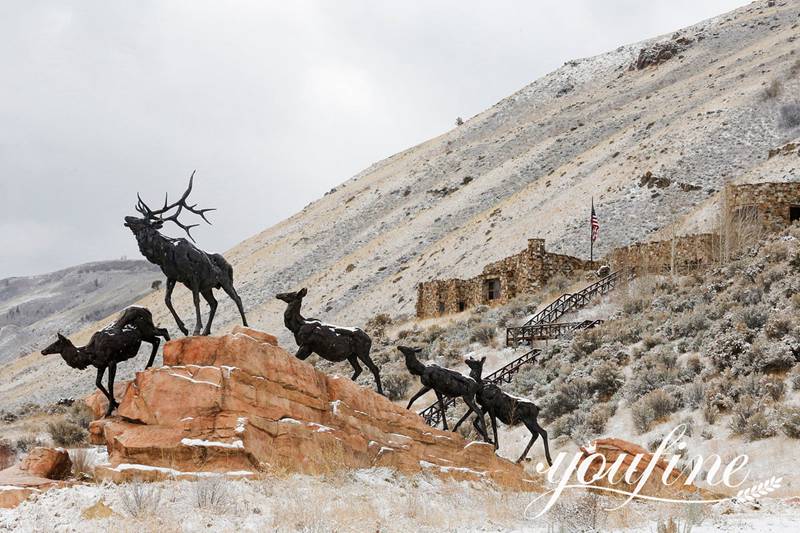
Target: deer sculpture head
x: 152, y: 220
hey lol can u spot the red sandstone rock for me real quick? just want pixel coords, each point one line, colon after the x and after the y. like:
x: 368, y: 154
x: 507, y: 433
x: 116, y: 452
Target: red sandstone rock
x: 611, y: 449
x: 239, y: 404
x: 7, y: 454
x: 48, y: 463
x: 39, y: 471
x: 98, y: 402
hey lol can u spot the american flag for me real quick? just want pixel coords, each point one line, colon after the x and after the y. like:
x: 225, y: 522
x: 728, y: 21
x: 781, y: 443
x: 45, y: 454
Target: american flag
x: 594, y: 223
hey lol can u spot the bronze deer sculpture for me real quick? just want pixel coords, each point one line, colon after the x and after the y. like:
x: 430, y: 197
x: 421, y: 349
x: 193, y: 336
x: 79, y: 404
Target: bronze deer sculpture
x: 117, y: 342
x: 181, y: 261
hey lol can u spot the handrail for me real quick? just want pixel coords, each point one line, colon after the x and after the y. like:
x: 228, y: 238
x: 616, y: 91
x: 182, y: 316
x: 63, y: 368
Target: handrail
x: 566, y: 302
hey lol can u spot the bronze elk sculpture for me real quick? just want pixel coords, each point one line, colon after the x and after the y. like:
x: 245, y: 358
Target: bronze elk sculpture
x: 332, y: 343
x: 444, y: 382
x: 117, y: 342
x: 181, y: 261
x: 511, y: 410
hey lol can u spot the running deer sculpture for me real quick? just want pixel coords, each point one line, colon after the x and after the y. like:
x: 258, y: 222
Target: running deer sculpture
x: 332, y: 343
x: 444, y: 382
x: 509, y: 409
x: 117, y: 342
x: 181, y: 261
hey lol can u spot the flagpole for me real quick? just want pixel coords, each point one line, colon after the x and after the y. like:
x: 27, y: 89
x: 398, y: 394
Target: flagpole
x: 591, y: 234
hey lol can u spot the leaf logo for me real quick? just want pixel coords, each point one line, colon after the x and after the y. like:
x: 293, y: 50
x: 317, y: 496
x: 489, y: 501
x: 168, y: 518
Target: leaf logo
x: 750, y: 494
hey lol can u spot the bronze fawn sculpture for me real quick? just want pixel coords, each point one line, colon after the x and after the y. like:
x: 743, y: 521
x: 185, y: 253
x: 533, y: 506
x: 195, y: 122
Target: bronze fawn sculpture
x: 332, y: 343
x: 119, y: 341
x: 444, y: 382
x: 181, y: 261
x: 509, y: 409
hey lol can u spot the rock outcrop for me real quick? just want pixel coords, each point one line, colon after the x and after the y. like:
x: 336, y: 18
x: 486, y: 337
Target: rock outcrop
x: 611, y: 449
x: 239, y: 404
x: 42, y: 469
x: 7, y: 454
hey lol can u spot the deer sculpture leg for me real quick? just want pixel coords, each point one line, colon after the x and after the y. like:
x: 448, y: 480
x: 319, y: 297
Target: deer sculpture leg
x: 440, y: 397
x: 208, y: 295
x: 198, y: 317
x: 470, y: 401
x: 536, y: 430
x: 367, y: 360
x: 231, y: 292
x: 112, y: 372
x: 356, y: 367
x: 168, y: 302
x: 462, y: 419
x: 155, y: 341
x: 414, y: 398
x: 303, y: 352
x: 99, y: 382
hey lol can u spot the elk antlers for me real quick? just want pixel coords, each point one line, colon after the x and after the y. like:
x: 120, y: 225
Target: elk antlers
x: 181, y: 204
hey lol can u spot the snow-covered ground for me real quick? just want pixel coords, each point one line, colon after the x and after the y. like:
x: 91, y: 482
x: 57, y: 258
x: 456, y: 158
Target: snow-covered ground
x: 363, y: 500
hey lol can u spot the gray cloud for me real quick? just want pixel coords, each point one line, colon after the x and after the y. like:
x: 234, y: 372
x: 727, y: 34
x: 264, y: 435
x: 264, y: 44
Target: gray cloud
x: 273, y: 102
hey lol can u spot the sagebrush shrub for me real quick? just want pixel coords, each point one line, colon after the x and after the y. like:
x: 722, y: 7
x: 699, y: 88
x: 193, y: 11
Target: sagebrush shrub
x: 754, y: 317
x: 652, y: 406
x: 140, y: 500
x: 66, y: 433
x: 777, y: 327
x: 483, y: 333
x: 607, y: 378
x: 790, y: 115
x: 694, y: 393
x: 790, y: 422
x: 749, y: 419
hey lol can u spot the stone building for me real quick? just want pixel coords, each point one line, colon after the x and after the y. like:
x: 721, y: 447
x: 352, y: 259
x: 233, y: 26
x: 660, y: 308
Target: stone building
x: 776, y: 204
x: 752, y: 208
x: 499, y: 282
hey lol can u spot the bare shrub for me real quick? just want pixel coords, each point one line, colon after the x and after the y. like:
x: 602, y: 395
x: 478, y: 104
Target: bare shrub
x: 750, y: 420
x: 140, y: 500
x: 790, y: 115
x: 586, y: 342
x: 565, y: 398
x: 395, y: 383
x: 483, y: 333
x: 81, y: 414
x: 377, y: 325
x: 773, y: 386
x: 794, y: 378
x: 66, y: 433
x: 26, y: 443
x: 790, y: 422
x: 652, y: 406
x: 212, y: 494
x: 754, y: 317
x: 81, y: 466
x: 773, y: 90
x: 778, y: 327
x: 710, y: 413
x: 694, y: 393
x: 607, y: 378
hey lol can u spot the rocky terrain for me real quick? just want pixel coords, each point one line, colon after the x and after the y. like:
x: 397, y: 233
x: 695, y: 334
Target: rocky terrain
x: 33, y: 309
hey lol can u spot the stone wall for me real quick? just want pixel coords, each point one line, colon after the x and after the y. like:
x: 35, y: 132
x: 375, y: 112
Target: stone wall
x: 690, y: 252
x: 499, y: 282
x: 777, y: 204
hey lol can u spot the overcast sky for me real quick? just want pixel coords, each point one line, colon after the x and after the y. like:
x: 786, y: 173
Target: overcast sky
x: 272, y: 102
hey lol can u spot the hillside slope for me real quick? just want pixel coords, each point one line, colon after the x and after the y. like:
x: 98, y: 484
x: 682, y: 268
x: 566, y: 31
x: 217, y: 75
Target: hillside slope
x: 526, y: 167
x: 33, y: 309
